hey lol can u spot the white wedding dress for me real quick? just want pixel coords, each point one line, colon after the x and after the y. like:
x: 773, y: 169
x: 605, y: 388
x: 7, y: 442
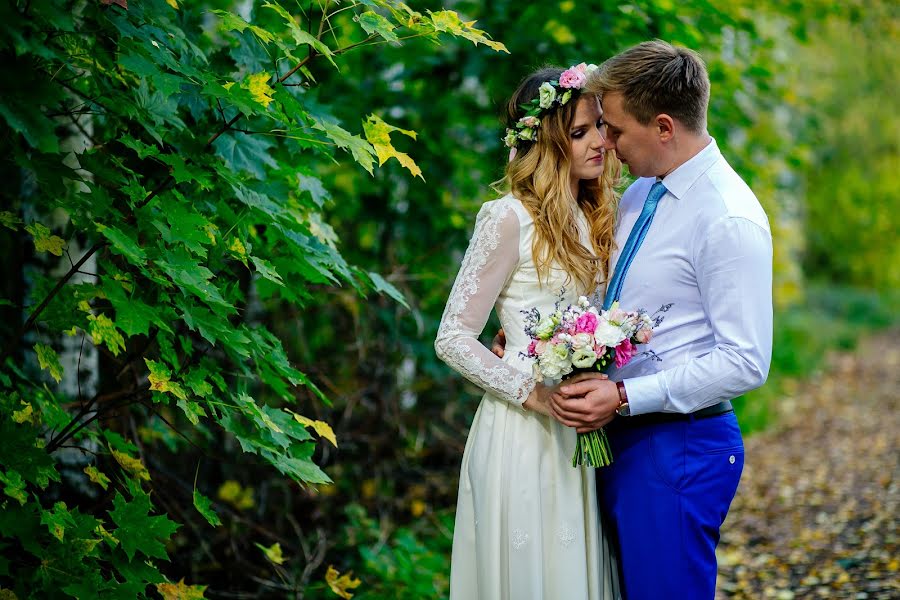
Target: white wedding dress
x: 527, y: 525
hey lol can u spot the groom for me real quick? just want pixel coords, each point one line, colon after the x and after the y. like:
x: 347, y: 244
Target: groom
x: 693, y: 241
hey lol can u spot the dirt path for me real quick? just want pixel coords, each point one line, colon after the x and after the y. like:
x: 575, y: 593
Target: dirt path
x: 816, y: 515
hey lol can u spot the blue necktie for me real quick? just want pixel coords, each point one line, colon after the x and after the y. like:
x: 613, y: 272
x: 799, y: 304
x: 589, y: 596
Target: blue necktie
x: 635, y: 239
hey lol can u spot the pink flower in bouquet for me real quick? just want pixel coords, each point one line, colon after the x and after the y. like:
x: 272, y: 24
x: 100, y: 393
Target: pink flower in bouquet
x: 572, y: 77
x: 539, y: 347
x: 643, y: 335
x: 624, y: 352
x: 531, y: 348
x: 586, y: 323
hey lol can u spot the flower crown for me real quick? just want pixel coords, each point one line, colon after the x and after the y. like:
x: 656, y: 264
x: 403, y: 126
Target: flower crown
x: 550, y: 95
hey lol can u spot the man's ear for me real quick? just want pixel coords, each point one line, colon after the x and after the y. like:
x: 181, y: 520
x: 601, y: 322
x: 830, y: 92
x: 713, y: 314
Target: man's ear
x: 665, y: 126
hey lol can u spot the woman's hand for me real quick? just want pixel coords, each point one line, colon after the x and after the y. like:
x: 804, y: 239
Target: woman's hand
x: 539, y: 398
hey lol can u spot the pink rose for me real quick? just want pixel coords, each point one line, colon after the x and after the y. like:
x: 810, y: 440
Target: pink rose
x: 643, y: 335
x: 539, y: 347
x: 572, y: 78
x: 531, y: 348
x: 586, y: 323
x: 624, y: 352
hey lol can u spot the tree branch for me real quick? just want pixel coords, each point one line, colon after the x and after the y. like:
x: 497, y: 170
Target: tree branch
x: 14, y: 341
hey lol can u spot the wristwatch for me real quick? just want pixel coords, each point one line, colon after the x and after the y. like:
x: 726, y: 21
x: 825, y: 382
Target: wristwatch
x: 623, y: 410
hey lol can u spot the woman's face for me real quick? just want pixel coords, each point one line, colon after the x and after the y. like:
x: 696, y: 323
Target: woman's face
x: 587, y: 141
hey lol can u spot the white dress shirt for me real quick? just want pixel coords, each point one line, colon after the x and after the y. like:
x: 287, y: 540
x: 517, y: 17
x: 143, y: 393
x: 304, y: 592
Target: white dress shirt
x: 707, y: 262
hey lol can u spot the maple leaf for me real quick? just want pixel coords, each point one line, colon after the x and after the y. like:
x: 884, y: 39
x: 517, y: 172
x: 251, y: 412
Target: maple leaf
x: 160, y: 380
x: 321, y: 427
x: 180, y: 591
x: 172, y: 3
x: 339, y: 584
x: 103, y: 330
x: 258, y: 84
x: 204, y: 507
x: 43, y: 241
x: 273, y: 553
x: 137, y: 530
x: 232, y: 493
x: 378, y: 133
x: 48, y: 360
x: 96, y: 476
x: 132, y: 465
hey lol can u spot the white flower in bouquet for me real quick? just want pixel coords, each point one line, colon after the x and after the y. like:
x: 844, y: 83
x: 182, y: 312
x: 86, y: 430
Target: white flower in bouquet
x: 584, y: 358
x: 582, y: 340
x: 608, y: 334
x: 547, y: 326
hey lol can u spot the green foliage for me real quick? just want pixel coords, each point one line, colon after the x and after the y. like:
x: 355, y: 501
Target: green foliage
x: 182, y: 140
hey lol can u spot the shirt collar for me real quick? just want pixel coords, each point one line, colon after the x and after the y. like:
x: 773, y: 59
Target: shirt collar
x: 679, y: 181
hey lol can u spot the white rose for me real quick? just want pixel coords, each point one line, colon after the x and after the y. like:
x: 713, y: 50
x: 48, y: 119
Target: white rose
x: 544, y: 329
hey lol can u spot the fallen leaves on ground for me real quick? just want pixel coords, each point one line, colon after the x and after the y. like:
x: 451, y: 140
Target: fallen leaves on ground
x: 816, y: 512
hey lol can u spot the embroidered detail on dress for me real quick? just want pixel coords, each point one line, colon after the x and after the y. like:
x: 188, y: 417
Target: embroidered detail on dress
x: 519, y: 539
x: 452, y: 342
x: 566, y: 535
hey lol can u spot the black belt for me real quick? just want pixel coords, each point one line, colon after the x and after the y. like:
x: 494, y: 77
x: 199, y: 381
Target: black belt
x: 656, y: 418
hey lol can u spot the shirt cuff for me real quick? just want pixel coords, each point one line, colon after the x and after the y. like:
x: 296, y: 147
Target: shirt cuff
x: 645, y: 394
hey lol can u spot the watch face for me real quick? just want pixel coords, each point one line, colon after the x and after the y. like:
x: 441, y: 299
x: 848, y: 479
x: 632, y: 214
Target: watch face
x: 624, y: 410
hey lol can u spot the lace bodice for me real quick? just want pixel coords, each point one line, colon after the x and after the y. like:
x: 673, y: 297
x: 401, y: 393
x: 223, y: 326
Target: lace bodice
x: 498, y: 272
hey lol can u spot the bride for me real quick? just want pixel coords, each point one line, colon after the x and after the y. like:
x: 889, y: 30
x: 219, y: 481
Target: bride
x: 527, y: 525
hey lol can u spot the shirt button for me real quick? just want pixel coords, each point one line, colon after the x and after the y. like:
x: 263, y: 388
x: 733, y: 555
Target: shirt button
x: 731, y: 459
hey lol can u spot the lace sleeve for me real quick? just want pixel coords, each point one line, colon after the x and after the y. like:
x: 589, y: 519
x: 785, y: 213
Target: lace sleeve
x: 490, y: 260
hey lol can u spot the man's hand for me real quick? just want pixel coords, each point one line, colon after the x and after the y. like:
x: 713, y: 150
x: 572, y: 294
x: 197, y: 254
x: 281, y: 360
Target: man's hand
x: 586, y: 402
x: 498, y: 346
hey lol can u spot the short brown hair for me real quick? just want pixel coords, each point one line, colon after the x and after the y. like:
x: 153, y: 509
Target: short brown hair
x: 657, y: 77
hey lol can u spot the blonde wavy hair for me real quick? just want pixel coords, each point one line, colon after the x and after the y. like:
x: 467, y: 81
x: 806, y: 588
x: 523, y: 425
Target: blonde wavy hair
x: 538, y: 175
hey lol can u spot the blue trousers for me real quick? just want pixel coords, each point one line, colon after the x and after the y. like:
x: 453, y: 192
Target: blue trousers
x: 665, y: 497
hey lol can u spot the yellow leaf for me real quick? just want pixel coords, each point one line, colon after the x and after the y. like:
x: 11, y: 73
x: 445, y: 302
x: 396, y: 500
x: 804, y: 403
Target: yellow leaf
x: 211, y: 231
x: 6, y: 594
x: 232, y: 493
x: 273, y: 553
x: 159, y: 380
x: 25, y: 414
x: 259, y: 88
x: 417, y: 508
x: 103, y: 330
x: 238, y: 249
x: 321, y: 427
x: 228, y: 85
x: 339, y: 584
x: 103, y: 533
x: 180, y: 591
x: 48, y: 360
x: 9, y: 220
x: 172, y: 3
x: 43, y: 241
x: 96, y: 476
x: 378, y: 133
x: 132, y: 465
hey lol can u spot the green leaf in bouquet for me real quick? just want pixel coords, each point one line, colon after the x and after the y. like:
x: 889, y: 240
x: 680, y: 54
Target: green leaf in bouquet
x: 138, y: 531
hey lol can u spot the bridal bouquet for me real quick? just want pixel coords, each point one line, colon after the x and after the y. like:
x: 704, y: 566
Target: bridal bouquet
x: 579, y: 339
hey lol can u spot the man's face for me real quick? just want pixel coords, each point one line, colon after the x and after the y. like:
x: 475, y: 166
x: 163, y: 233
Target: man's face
x: 636, y: 145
